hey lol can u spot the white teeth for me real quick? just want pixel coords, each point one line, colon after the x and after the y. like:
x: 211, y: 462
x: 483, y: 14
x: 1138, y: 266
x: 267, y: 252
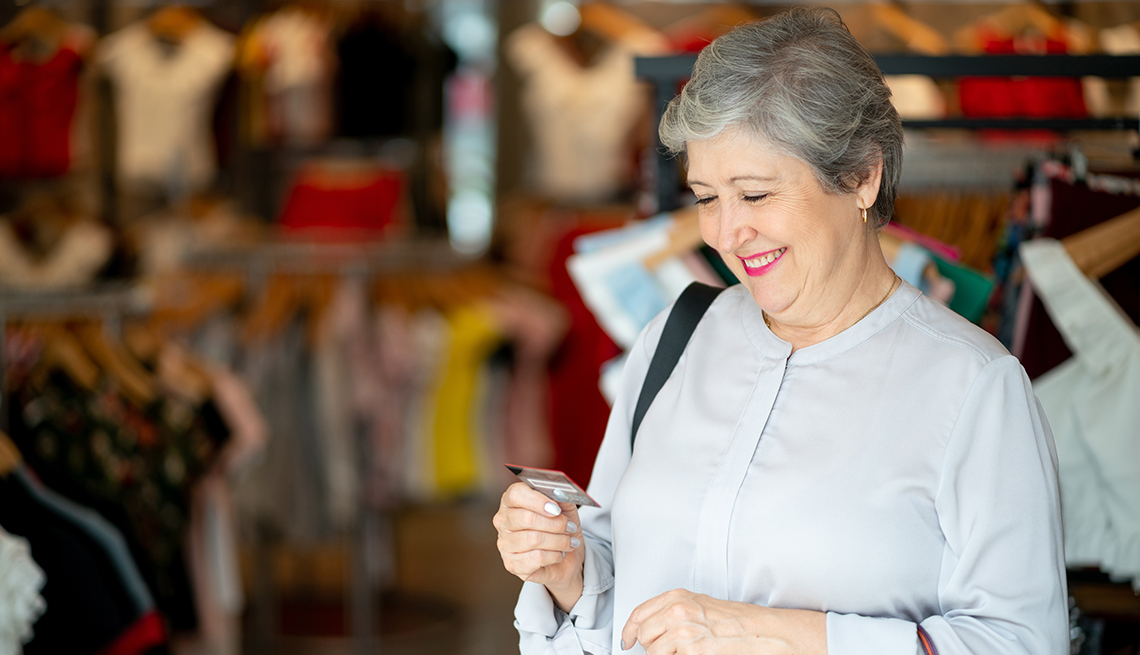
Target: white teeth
x: 766, y: 259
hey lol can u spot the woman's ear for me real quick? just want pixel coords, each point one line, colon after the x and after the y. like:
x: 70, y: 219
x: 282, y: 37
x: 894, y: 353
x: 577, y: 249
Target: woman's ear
x: 868, y: 190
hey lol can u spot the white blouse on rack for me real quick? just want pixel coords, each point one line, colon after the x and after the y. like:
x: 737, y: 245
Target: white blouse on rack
x: 899, y: 473
x: 1091, y: 402
x: 20, y: 601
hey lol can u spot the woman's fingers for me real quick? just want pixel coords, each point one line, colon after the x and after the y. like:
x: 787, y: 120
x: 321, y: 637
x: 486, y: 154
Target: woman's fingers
x: 522, y: 541
x: 526, y: 565
x: 536, y: 533
x: 648, y: 621
x: 522, y: 496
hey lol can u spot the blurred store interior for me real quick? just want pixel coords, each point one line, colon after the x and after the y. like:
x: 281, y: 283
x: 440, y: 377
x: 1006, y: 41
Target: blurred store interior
x: 285, y: 284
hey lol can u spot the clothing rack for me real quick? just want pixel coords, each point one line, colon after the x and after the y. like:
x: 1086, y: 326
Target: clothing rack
x: 106, y: 303
x: 667, y: 74
x: 394, y: 256
x: 358, y: 260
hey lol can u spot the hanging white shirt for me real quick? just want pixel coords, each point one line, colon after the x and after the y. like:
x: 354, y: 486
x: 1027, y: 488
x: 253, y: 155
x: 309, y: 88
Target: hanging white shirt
x: 1091, y: 401
x: 582, y: 117
x: 896, y: 474
x: 164, y: 102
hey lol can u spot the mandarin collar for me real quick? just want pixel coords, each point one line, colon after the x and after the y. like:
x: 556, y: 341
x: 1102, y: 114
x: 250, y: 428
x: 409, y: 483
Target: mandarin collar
x: 772, y: 347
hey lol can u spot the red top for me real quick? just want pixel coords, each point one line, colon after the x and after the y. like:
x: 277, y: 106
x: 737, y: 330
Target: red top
x: 37, y: 105
x: 357, y: 205
x: 1028, y: 97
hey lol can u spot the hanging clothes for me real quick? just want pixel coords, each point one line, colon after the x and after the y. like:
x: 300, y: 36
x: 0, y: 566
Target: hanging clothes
x: 410, y: 101
x: 578, y: 410
x: 582, y: 118
x: 1069, y: 208
x: 352, y: 200
x: 286, y: 491
x: 1090, y: 400
x: 456, y: 435
x: 79, y: 254
x: 38, y: 101
x: 164, y: 101
x: 287, y: 61
x: 430, y: 333
x: 384, y: 398
x: 133, y: 465
x: 20, y: 583
x: 87, y: 607
x: 1125, y: 40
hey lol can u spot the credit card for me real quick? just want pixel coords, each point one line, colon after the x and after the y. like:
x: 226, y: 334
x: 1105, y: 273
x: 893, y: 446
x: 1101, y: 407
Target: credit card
x: 555, y: 485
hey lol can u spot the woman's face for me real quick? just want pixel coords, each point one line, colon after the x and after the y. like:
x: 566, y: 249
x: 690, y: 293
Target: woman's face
x: 801, y: 252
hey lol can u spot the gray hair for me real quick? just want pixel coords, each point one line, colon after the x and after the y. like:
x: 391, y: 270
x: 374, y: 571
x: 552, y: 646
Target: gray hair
x: 801, y: 82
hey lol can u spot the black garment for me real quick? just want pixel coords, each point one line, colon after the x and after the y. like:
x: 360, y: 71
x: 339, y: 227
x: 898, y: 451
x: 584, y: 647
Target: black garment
x: 1076, y: 207
x: 87, y: 605
x: 134, y: 467
x: 391, y: 80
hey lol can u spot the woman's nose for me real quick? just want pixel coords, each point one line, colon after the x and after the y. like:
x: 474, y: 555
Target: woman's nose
x: 733, y: 229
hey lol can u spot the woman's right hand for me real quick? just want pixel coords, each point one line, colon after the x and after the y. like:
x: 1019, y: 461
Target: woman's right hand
x: 541, y: 541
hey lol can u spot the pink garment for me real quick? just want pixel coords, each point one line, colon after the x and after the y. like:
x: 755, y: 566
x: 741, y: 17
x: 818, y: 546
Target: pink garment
x: 249, y: 431
x: 388, y: 401
x: 211, y: 546
x: 211, y: 554
x: 535, y: 326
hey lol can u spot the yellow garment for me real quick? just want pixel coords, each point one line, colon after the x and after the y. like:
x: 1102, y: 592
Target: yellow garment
x: 456, y: 432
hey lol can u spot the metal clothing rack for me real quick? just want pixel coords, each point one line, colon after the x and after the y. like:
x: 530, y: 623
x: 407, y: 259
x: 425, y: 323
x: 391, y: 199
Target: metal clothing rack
x: 356, y: 260
x: 300, y: 257
x: 107, y: 303
x: 668, y: 73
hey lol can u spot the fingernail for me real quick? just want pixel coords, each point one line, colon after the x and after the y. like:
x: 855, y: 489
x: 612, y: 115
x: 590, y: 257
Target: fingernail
x: 574, y: 542
x: 623, y: 646
x: 552, y: 509
x: 571, y: 527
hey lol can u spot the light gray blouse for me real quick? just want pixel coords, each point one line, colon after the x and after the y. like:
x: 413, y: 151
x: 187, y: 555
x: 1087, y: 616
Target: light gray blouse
x: 899, y: 473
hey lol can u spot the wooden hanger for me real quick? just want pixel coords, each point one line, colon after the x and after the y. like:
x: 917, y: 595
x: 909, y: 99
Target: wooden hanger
x: 918, y: 36
x: 182, y: 373
x: 10, y: 457
x: 317, y: 293
x: 1103, y: 248
x: 616, y: 24
x: 711, y: 22
x: 135, y: 383
x: 273, y: 310
x: 174, y: 22
x: 1010, y: 21
x: 35, y: 22
x: 64, y: 352
x: 185, y: 300
x: 684, y: 236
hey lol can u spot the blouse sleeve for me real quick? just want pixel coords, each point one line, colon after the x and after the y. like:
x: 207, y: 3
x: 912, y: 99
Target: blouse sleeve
x: 1002, y: 586
x: 588, y: 628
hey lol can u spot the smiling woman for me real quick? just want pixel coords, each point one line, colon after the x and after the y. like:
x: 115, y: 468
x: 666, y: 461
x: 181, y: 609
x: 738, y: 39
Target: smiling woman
x: 837, y: 464
x: 803, y: 253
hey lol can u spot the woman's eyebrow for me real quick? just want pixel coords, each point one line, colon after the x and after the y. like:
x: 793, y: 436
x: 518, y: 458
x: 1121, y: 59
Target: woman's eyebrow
x: 738, y: 178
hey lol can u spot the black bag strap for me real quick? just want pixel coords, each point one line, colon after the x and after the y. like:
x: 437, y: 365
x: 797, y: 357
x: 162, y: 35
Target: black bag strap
x: 683, y: 319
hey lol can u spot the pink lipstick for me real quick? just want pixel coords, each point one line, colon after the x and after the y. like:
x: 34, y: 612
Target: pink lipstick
x: 760, y: 264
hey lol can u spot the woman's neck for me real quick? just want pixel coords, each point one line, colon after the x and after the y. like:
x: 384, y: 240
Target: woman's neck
x: 874, y: 286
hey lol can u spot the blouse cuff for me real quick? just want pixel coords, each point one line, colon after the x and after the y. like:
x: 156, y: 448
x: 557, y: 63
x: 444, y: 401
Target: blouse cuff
x: 586, y: 629
x: 852, y: 634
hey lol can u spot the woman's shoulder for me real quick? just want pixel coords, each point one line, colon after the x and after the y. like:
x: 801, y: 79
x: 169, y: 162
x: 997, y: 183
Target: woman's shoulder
x: 941, y: 328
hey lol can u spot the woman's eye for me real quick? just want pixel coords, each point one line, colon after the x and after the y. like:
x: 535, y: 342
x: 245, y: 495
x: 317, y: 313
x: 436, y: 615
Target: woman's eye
x: 755, y: 198
x: 706, y: 200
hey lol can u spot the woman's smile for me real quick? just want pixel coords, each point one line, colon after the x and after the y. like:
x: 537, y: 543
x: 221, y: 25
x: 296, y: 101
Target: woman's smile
x: 758, y: 265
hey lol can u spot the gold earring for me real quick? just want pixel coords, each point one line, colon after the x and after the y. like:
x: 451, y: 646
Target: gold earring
x: 864, y: 210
